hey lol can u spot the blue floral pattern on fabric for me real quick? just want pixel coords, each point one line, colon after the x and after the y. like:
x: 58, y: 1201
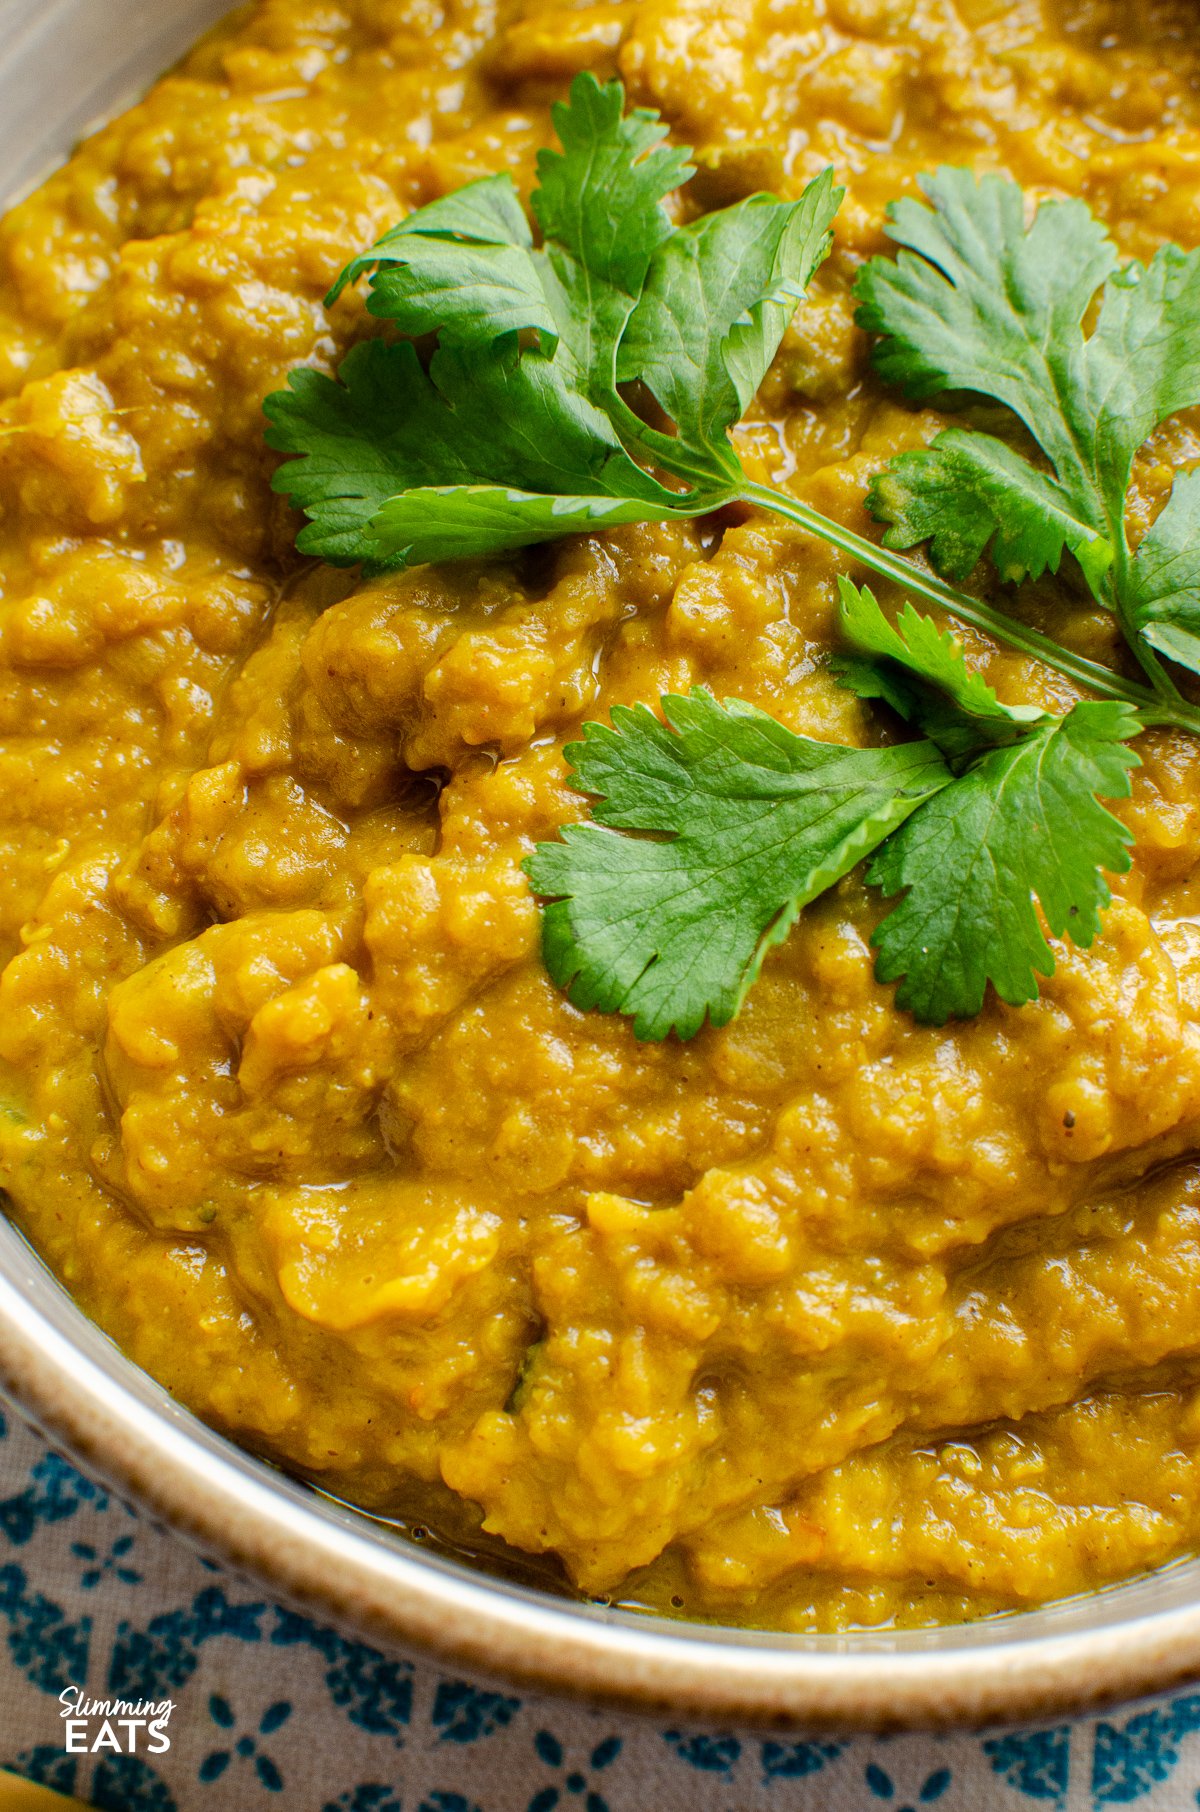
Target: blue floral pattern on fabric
x: 709, y: 1754
x: 48, y: 1766
x: 245, y: 1748
x: 123, y: 1783
x: 792, y: 1761
x: 575, y: 1781
x: 98, y: 1566
x: 373, y: 1691
x: 929, y: 1788
x: 1036, y: 1762
x: 50, y: 1650
x: 372, y: 1796
x: 1130, y: 1760
x: 273, y: 1707
x: 55, y: 1491
x: 463, y: 1713
x: 152, y: 1663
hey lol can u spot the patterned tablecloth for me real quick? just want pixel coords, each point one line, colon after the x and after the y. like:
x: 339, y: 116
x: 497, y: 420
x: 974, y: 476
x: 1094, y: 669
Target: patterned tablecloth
x: 273, y: 1709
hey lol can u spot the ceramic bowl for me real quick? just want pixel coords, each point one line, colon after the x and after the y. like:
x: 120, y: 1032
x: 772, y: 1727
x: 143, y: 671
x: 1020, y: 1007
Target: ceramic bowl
x: 63, y: 64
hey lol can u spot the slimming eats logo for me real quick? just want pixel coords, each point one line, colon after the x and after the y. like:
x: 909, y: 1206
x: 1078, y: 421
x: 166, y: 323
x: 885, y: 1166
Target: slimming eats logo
x: 93, y: 1725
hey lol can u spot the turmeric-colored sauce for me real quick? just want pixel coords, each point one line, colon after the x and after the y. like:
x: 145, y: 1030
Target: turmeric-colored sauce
x: 823, y: 1319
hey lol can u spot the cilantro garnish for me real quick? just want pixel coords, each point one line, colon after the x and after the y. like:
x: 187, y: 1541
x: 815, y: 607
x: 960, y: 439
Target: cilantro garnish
x: 531, y: 387
x: 1162, y: 589
x: 1022, y: 820
x: 981, y: 302
x: 751, y: 822
x: 748, y: 822
x: 919, y: 670
x: 516, y: 431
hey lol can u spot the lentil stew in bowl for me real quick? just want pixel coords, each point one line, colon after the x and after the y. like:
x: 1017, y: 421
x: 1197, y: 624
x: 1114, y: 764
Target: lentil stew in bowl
x: 825, y: 1316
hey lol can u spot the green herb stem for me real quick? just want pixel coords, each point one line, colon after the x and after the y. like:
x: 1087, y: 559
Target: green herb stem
x: 1155, y: 708
x: 1115, y: 592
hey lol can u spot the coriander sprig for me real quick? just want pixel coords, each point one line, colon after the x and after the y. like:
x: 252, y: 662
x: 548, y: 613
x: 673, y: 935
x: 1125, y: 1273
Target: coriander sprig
x: 516, y: 430
x: 750, y: 823
x: 738, y: 823
x: 713, y: 825
x: 977, y: 613
x: 980, y: 301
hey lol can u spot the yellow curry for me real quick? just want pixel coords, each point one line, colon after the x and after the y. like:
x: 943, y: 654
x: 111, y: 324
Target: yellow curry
x: 822, y: 1319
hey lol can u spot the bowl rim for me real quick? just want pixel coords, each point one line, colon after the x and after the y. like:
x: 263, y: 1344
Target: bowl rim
x: 82, y: 1390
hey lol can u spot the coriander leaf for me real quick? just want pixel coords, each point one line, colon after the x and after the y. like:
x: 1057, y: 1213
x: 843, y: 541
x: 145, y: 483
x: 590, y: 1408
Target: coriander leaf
x: 1025, y: 821
x: 487, y: 211
x: 746, y: 824
x: 390, y: 428
x: 967, y: 491
x: 920, y: 671
x: 463, y: 267
x: 1165, y: 576
x: 719, y: 295
x: 514, y: 431
x: 978, y: 301
x: 915, y: 643
x: 524, y: 426
x: 354, y: 443
x: 599, y: 205
x: 456, y: 521
x: 1142, y: 363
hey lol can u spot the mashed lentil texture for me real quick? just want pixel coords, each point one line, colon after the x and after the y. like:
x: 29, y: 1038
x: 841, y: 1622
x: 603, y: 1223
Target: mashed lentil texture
x: 823, y: 1319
